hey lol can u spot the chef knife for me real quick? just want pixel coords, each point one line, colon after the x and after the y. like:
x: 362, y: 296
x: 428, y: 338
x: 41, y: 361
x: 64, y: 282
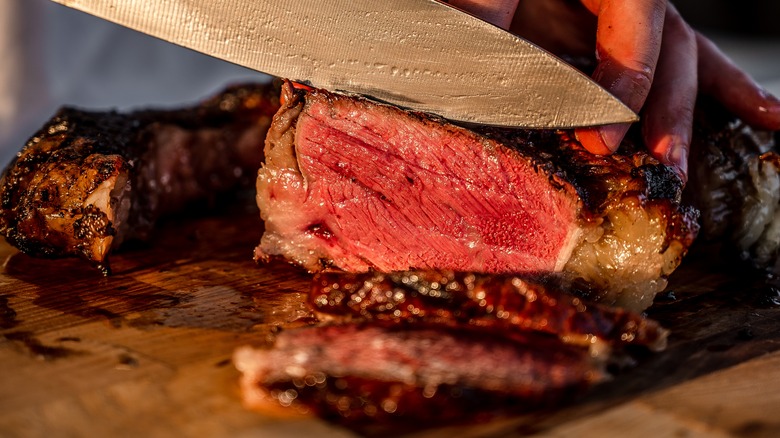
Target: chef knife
x: 419, y: 54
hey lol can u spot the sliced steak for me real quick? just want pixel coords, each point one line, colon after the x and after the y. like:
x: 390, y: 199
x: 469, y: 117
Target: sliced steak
x: 359, y: 185
x: 89, y: 180
x: 506, y: 304
x: 370, y: 375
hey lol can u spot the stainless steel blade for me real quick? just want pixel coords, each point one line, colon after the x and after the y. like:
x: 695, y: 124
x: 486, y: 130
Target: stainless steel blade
x: 419, y: 54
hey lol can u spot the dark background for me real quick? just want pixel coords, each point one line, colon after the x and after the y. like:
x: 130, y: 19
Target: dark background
x: 744, y: 17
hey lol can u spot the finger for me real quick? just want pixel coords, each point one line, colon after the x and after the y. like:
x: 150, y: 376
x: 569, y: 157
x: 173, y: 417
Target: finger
x: 498, y: 12
x: 668, y: 113
x: 561, y: 27
x: 720, y: 78
x: 628, y: 41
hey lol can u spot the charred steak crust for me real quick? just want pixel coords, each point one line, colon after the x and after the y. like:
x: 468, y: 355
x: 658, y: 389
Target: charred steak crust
x: 736, y: 185
x: 603, y: 182
x: 88, y: 180
x: 494, y: 303
x: 57, y: 169
x: 347, y: 182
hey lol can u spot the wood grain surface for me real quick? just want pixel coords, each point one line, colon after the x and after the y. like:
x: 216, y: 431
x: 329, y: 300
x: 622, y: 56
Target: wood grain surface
x: 147, y: 351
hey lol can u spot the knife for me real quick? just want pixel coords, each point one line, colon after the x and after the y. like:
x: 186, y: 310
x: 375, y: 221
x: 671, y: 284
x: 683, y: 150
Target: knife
x: 419, y: 54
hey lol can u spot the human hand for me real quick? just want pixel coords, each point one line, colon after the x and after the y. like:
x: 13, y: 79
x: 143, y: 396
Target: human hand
x: 648, y: 57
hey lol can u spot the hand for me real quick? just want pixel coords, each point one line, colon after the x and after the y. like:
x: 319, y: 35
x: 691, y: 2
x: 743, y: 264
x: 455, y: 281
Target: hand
x: 648, y: 57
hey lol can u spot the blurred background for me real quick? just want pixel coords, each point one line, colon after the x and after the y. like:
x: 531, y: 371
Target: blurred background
x: 747, y: 30
x: 53, y: 56
x: 744, y: 17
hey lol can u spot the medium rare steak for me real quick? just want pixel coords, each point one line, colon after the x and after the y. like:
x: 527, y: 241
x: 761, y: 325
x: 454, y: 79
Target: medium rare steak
x: 399, y: 348
x: 425, y: 347
x: 371, y: 376
x: 89, y: 180
x: 358, y: 185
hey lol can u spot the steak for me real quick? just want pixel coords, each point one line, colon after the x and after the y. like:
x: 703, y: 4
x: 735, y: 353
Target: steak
x: 736, y: 185
x: 353, y: 184
x: 89, y: 180
x: 506, y: 304
x: 399, y: 348
x: 348, y: 182
x: 365, y: 376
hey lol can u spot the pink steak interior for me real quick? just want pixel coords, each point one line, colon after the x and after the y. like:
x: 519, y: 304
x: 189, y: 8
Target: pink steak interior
x: 388, y: 190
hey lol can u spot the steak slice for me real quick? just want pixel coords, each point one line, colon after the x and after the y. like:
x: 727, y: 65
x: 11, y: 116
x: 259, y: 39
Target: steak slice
x: 89, y: 180
x: 365, y: 375
x: 427, y: 348
x: 505, y: 304
x: 358, y: 185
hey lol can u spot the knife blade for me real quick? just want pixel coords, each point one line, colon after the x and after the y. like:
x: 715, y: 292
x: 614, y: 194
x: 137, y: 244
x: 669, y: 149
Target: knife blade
x: 419, y: 54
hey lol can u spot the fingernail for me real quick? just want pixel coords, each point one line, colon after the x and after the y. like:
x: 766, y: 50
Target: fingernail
x: 676, y: 156
x: 681, y: 162
x: 612, y: 135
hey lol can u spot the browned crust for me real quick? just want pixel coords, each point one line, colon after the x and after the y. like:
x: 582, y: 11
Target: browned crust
x: 496, y: 303
x: 44, y: 190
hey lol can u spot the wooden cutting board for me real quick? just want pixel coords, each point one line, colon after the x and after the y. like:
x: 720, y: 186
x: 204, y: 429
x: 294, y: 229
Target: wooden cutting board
x: 147, y: 351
